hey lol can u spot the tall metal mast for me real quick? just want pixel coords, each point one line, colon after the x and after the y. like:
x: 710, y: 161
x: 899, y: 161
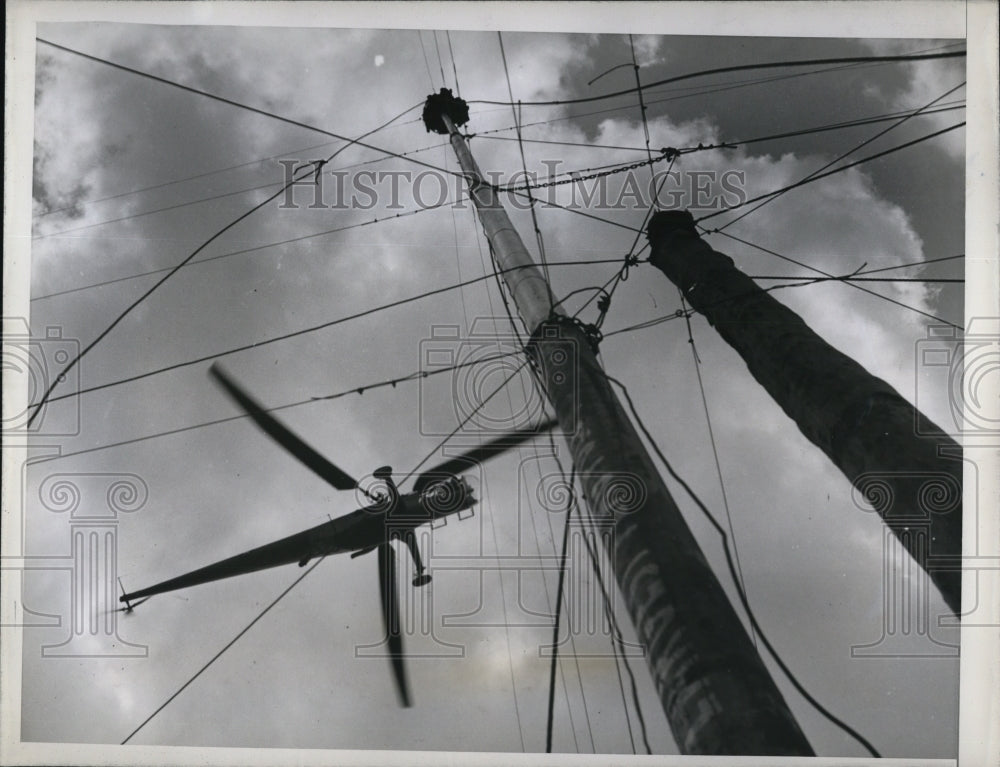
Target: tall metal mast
x: 907, y: 467
x: 716, y: 693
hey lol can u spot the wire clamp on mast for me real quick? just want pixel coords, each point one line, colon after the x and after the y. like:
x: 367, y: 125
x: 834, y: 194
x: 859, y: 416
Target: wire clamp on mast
x: 550, y: 328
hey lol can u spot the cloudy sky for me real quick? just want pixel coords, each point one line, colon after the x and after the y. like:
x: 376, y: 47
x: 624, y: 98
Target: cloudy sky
x: 131, y: 175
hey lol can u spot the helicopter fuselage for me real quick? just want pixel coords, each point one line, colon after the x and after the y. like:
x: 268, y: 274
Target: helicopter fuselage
x: 359, y: 531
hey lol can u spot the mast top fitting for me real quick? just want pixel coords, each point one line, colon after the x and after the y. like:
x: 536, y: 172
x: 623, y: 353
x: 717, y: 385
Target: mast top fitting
x: 444, y: 103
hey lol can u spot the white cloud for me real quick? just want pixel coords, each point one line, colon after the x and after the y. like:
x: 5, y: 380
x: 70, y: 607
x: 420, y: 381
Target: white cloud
x: 223, y: 488
x: 928, y: 82
x: 647, y: 49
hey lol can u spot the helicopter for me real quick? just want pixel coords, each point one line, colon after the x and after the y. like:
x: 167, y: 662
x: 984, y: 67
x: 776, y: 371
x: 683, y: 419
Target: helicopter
x: 436, y: 494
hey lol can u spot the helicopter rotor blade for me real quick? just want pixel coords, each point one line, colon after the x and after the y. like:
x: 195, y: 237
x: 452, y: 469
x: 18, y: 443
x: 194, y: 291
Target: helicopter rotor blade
x: 390, y: 616
x: 283, y: 435
x: 480, y: 453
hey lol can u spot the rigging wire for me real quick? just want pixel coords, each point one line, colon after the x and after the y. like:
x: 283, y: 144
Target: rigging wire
x: 555, y: 625
x: 438, y: 49
x: 165, y: 209
x: 594, y: 563
x: 454, y: 69
x: 767, y: 79
x: 695, y: 91
x: 846, y: 154
x: 718, y: 463
x: 701, y: 385
x: 739, y: 590
x: 572, y: 638
x: 631, y: 258
x: 828, y: 173
x: 215, y: 172
x: 596, y: 290
x: 254, y: 249
x: 83, y: 352
x: 552, y: 203
x: 810, y: 280
x: 513, y: 324
x: 617, y: 277
x: 458, y: 259
x: 359, y: 390
x: 514, y: 328
x: 642, y: 113
x: 199, y: 92
x: 737, y: 68
x: 596, y: 567
x: 617, y: 640
x: 487, y: 135
x: 600, y: 171
x: 256, y: 110
x: 832, y: 278
x: 496, y: 543
x: 46, y: 396
x: 461, y: 425
x: 680, y: 313
x: 427, y: 63
x: 517, y: 120
x: 593, y: 172
x: 524, y: 164
x: 301, y: 577
x: 219, y: 654
x: 506, y: 629
x: 843, y: 125
x: 235, y: 167
x: 609, y: 610
x: 558, y: 613
x: 503, y: 596
x: 559, y: 588
x: 539, y: 239
x: 700, y: 90
x: 176, y: 206
x: 421, y: 373
x: 310, y: 329
x: 912, y: 263
x: 846, y: 124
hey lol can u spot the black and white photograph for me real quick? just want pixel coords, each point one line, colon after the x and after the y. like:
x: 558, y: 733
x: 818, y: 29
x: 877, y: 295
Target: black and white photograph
x: 384, y: 380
